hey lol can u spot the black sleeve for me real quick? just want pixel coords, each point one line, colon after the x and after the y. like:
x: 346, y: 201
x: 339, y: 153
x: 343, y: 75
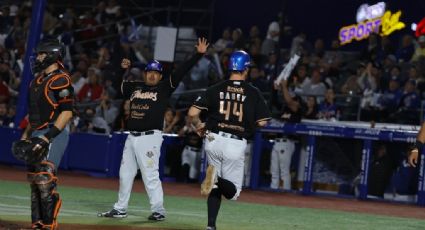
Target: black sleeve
x: 202, y: 102
x: 128, y: 87
x: 183, y: 68
x: 262, y: 113
x: 63, y: 92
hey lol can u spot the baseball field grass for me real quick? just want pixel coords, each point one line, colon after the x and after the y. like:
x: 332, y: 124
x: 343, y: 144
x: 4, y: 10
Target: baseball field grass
x: 81, y: 205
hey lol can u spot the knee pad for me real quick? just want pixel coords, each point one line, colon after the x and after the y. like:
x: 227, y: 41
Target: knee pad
x: 44, y: 178
x: 42, y: 173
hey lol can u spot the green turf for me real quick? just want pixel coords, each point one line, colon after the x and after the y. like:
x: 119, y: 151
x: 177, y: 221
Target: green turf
x: 81, y: 206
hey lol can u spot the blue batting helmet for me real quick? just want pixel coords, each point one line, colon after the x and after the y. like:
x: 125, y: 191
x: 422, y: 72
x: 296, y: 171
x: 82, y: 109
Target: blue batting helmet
x: 239, y: 61
x: 154, y: 66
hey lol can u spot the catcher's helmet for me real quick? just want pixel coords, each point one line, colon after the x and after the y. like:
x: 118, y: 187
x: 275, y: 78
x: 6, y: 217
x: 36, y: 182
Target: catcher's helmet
x: 154, y: 66
x: 239, y: 61
x: 54, y: 50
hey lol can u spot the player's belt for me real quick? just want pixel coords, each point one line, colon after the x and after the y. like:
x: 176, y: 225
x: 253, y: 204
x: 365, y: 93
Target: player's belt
x: 192, y: 148
x: 282, y: 139
x: 229, y: 135
x: 137, y: 134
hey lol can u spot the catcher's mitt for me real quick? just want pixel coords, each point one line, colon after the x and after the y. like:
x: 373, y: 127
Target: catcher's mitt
x: 25, y: 150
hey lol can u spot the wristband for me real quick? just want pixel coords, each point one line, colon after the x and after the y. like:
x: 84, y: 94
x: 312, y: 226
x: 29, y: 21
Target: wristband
x: 52, y: 133
x: 418, y: 145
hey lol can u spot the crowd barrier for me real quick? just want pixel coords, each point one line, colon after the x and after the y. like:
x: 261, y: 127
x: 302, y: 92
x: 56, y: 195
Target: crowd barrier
x: 100, y: 155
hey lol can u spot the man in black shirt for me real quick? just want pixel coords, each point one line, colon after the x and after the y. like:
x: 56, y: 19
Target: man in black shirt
x: 148, y: 102
x: 284, y: 146
x: 234, y: 109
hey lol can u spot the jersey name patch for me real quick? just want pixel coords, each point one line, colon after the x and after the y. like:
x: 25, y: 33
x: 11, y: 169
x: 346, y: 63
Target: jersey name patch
x: 146, y: 95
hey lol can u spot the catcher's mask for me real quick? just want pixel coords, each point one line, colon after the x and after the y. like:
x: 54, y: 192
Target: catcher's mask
x: 54, y: 51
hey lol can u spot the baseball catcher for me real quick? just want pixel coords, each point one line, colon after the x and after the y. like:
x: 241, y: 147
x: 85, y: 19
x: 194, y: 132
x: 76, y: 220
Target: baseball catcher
x: 44, y: 141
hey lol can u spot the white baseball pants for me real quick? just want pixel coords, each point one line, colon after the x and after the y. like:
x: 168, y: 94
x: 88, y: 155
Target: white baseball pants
x: 227, y: 156
x: 192, y: 157
x: 141, y: 152
x: 280, y: 163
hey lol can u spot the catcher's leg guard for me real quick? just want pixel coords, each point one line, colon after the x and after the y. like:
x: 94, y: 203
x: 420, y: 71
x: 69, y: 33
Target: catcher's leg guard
x: 36, y: 217
x: 45, y: 179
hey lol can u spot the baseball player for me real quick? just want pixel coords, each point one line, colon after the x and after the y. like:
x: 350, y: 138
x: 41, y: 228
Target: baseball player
x: 148, y: 102
x: 284, y: 146
x: 234, y: 109
x: 417, y: 147
x: 191, y: 155
x: 50, y: 110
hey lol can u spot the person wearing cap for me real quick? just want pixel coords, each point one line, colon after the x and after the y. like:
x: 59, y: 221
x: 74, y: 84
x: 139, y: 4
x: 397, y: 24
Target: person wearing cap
x: 148, y: 103
x: 420, y: 50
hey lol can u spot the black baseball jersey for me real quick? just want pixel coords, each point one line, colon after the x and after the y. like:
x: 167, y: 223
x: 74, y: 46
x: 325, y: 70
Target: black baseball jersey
x: 293, y: 116
x: 233, y: 107
x: 148, y: 103
x: 48, y: 96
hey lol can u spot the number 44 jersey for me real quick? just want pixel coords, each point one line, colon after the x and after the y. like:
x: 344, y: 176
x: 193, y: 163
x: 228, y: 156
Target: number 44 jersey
x: 233, y: 107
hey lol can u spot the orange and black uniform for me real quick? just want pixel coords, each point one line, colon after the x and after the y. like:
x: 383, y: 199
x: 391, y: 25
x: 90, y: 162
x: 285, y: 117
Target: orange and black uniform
x: 50, y: 95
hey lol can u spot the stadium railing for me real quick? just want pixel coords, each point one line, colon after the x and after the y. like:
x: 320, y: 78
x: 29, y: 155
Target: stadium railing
x: 100, y: 155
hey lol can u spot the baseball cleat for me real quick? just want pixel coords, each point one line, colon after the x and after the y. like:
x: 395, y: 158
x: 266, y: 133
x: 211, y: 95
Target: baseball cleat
x: 156, y: 216
x: 112, y: 214
x: 209, y: 181
x: 210, y: 228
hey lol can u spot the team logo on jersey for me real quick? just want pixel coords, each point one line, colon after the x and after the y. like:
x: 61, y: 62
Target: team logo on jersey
x: 145, y: 95
x: 64, y: 93
x: 149, y: 154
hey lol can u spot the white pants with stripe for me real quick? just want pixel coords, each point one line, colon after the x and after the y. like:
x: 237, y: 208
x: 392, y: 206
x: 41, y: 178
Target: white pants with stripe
x: 192, y: 157
x: 227, y: 156
x: 141, y: 152
x: 280, y: 163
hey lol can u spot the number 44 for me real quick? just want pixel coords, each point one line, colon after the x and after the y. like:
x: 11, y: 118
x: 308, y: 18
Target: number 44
x: 234, y: 107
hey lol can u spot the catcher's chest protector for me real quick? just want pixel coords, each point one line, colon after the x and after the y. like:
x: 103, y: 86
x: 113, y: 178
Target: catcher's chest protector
x: 42, y: 101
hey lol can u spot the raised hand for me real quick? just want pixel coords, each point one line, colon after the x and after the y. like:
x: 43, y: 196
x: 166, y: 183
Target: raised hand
x: 125, y: 63
x: 202, y: 45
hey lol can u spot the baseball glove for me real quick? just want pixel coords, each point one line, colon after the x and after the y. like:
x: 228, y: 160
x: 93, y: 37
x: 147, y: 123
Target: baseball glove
x: 28, y: 151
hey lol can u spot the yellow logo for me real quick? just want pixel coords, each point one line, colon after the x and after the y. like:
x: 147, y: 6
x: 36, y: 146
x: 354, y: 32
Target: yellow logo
x: 390, y: 23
